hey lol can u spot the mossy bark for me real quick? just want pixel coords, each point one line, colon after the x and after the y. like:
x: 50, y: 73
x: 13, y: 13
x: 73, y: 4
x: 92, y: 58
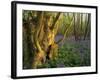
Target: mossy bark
x: 44, y: 40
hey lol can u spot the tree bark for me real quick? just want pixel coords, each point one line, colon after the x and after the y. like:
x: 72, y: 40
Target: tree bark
x: 44, y: 42
x: 87, y: 26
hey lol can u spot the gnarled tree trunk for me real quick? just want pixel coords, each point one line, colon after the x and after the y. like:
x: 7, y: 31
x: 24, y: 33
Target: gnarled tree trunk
x: 44, y: 39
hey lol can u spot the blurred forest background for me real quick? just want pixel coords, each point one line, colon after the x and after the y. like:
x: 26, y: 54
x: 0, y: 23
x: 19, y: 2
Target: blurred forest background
x: 56, y: 39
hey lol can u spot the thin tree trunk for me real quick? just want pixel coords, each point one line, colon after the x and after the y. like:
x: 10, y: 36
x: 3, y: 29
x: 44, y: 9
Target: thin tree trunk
x: 81, y: 25
x: 74, y: 27
x: 87, y: 26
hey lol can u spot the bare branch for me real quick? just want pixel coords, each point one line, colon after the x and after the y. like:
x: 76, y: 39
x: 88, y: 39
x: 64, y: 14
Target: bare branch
x: 57, y: 17
x: 61, y: 40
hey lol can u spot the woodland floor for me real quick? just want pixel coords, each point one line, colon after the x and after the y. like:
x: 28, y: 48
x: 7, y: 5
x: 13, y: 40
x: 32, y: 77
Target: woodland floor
x: 71, y: 54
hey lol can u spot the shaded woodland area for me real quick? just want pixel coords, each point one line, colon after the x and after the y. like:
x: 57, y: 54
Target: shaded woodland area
x: 56, y: 39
